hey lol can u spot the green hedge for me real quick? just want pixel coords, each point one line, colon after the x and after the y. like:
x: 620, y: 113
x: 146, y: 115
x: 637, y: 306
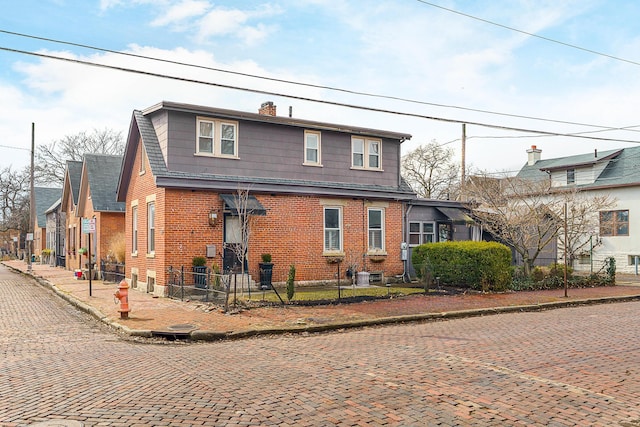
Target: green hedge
x: 477, y: 265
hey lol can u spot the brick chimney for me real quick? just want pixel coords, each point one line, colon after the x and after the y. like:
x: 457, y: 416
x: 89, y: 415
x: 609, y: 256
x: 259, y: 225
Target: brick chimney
x: 267, y: 109
x: 534, y: 155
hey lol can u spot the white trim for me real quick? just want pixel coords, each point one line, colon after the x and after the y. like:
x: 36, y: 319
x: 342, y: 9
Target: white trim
x: 306, y: 161
x: 216, y: 138
x: 366, y: 142
x: 339, y: 249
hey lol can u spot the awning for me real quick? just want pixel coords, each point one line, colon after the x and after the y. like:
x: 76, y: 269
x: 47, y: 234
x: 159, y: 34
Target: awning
x: 254, y: 207
x: 455, y: 214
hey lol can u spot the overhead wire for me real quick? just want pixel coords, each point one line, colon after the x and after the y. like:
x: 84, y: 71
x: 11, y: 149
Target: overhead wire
x: 311, y: 85
x: 308, y: 99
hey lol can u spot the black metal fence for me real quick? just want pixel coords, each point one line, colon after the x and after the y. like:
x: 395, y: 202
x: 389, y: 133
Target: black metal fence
x: 203, y: 284
x: 112, y: 272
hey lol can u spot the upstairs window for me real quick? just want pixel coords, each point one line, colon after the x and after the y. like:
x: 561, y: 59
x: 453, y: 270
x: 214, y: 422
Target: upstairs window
x: 571, y: 176
x: 312, y: 148
x: 217, y: 138
x: 365, y: 153
x: 614, y: 223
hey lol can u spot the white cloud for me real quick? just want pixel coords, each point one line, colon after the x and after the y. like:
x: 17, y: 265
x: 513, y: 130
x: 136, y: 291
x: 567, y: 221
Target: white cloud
x: 177, y: 13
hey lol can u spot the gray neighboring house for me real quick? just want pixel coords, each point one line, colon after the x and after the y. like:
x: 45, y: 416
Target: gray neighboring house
x: 55, y: 233
x: 44, y: 198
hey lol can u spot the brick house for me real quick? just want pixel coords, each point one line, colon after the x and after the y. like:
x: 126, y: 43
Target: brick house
x: 97, y: 200
x: 70, y: 192
x: 320, y: 192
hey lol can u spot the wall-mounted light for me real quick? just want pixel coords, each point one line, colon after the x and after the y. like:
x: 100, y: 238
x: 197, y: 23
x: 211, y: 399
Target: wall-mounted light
x: 213, y: 217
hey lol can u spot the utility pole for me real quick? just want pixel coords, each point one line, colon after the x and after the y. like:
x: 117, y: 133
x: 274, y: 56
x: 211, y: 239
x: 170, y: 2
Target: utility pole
x: 463, y: 162
x: 565, y: 250
x: 32, y: 198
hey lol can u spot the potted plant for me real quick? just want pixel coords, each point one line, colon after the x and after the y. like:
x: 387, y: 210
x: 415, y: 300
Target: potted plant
x: 266, y: 271
x: 82, y: 251
x: 199, y: 264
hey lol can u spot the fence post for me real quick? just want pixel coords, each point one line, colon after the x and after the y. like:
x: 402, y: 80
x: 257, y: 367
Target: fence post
x: 182, y: 283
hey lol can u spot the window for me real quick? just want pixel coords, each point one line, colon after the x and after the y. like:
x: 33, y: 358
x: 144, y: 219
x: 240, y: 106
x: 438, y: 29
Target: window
x: 134, y: 229
x: 312, y: 148
x: 217, y: 138
x: 376, y: 229
x: 634, y: 259
x: 365, y: 153
x: 614, y: 223
x: 151, y: 228
x: 420, y: 233
x: 571, y: 176
x: 332, y: 229
x: 143, y: 159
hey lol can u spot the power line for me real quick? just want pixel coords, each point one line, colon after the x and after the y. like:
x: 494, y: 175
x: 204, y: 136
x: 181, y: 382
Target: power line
x: 311, y: 85
x: 302, y: 98
x: 573, y: 46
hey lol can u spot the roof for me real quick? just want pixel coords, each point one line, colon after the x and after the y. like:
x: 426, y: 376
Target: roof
x: 621, y: 167
x: 44, y: 198
x: 102, y: 172
x: 74, y: 170
x: 289, y: 121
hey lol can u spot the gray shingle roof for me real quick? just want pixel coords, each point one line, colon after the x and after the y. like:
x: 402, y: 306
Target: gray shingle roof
x: 44, y: 198
x: 103, y: 172
x: 74, y: 169
x: 623, y: 167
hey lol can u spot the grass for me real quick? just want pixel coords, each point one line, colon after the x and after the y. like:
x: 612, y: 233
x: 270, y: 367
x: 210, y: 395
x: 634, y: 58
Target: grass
x: 323, y: 294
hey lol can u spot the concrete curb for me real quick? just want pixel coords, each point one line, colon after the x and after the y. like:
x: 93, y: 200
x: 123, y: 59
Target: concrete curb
x: 204, y: 335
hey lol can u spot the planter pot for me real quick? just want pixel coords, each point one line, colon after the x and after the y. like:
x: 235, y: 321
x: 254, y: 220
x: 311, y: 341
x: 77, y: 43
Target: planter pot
x: 200, y: 276
x: 266, y: 273
x: 362, y: 278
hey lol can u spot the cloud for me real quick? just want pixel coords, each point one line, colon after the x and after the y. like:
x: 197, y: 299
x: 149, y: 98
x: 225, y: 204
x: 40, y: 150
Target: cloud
x: 237, y: 23
x: 179, y: 12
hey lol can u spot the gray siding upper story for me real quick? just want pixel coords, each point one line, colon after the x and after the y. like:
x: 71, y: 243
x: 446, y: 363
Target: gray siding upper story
x: 271, y: 148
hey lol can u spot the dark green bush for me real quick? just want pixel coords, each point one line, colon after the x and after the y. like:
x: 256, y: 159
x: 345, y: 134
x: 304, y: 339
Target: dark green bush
x: 290, y: 282
x: 478, y: 265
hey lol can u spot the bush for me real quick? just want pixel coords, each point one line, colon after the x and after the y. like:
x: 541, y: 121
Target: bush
x: 117, y: 247
x: 478, y: 265
x: 198, y: 261
x: 266, y: 258
x: 290, y: 282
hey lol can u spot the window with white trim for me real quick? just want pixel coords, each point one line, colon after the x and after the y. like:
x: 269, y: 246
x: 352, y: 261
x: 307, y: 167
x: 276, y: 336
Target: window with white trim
x: 134, y: 229
x: 571, y: 176
x: 151, y: 227
x: 366, y: 153
x: 312, y: 153
x: 376, y: 229
x: 217, y: 138
x: 421, y: 232
x: 333, y: 229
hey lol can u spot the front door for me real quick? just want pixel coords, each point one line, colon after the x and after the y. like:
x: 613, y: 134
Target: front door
x: 232, y: 238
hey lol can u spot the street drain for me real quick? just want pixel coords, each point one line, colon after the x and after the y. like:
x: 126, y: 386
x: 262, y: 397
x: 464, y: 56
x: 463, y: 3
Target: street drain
x: 175, y: 332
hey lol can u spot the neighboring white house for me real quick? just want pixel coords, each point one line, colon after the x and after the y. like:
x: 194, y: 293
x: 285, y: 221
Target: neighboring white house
x: 615, y: 173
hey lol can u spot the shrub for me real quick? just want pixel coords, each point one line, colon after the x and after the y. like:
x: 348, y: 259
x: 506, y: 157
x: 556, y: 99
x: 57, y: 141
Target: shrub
x: 198, y: 261
x: 290, y: 282
x: 478, y: 265
x: 117, y: 247
x: 266, y: 258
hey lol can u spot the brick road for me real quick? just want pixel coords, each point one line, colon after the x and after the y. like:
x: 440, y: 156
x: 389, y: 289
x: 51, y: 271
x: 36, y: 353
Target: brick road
x: 573, y: 366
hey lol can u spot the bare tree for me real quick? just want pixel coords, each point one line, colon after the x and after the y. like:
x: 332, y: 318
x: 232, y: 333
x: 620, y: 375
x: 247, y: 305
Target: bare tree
x: 431, y: 172
x: 529, y: 215
x: 245, y: 219
x: 51, y: 159
x: 14, y: 199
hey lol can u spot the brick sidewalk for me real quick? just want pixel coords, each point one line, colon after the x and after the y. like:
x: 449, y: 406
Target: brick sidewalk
x: 150, y: 313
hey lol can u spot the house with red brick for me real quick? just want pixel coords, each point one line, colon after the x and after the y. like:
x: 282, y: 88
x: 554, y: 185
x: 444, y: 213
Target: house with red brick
x: 319, y: 193
x: 97, y: 201
x: 89, y: 192
x: 70, y: 258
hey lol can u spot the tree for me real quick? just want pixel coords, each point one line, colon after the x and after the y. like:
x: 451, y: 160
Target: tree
x: 245, y: 219
x: 528, y: 215
x: 14, y: 199
x: 51, y: 159
x: 431, y: 172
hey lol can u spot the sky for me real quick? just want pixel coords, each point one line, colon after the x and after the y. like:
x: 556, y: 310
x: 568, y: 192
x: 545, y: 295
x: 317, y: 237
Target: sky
x: 417, y: 67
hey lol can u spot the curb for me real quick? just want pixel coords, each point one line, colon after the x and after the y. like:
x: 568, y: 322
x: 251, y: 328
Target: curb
x: 205, y: 335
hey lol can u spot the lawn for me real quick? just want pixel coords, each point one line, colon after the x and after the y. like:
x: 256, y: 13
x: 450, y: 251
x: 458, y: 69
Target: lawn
x: 331, y: 293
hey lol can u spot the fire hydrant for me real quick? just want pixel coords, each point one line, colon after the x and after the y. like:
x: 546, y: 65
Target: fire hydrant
x: 122, y: 295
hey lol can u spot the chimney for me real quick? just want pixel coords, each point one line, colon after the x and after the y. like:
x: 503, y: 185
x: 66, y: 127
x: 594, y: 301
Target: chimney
x: 267, y: 109
x: 595, y: 153
x: 534, y: 155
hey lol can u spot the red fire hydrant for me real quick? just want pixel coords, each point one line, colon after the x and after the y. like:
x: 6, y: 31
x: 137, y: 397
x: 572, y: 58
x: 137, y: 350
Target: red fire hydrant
x: 122, y: 295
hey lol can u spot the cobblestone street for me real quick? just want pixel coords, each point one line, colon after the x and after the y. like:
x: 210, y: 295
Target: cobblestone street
x: 564, y: 367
